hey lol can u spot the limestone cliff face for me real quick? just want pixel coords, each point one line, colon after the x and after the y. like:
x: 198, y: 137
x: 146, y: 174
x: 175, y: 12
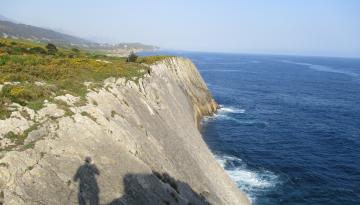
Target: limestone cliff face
x: 142, y: 137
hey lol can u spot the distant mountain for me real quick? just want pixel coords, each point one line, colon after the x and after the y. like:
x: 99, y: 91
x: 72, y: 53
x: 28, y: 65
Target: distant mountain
x: 17, y: 30
x: 9, y: 29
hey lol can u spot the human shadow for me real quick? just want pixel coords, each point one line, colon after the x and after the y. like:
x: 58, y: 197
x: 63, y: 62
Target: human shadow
x: 157, y: 189
x: 88, y: 187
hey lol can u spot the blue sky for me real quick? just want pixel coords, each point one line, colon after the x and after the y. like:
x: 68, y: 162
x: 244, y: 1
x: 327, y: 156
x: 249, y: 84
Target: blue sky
x: 304, y: 27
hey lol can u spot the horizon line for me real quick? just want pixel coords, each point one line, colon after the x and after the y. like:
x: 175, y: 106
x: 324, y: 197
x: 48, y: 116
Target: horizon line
x: 254, y: 53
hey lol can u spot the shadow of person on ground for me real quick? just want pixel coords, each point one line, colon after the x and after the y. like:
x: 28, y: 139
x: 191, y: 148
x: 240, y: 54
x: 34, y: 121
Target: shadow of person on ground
x: 88, y: 187
x: 157, y: 189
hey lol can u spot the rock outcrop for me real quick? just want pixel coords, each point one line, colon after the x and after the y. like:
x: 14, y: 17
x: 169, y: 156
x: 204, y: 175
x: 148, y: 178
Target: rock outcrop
x: 142, y: 136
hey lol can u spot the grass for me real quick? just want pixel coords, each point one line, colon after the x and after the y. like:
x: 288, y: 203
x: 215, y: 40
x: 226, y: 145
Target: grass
x: 27, y: 94
x: 25, y: 114
x: 64, y: 71
x: 89, y: 116
x: 31, y: 145
x: 62, y: 105
x: 4, y: 111
x: 19, y: 139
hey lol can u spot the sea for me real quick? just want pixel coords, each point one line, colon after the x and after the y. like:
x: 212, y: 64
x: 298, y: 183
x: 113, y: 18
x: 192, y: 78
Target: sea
x: 288, y: 128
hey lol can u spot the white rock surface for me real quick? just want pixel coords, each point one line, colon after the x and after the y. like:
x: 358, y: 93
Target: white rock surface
x: 68, y: 99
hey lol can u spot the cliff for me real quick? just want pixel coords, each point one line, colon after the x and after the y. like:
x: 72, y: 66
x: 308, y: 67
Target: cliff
x: 142, y: 136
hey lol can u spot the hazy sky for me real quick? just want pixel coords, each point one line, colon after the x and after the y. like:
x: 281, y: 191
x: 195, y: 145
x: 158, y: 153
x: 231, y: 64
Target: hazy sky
x: 306, y: 27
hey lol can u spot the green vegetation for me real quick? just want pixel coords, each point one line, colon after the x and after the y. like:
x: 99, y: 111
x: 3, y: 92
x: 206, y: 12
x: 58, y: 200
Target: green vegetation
x: 51, y: 48
x: 27, y: 94
x: 62, y: 105
x: 19, y: 139
x: 89, y: 116
x: 132, y: 57
x: 4, y: 111
x: 31, y: 145
x: 37, y: 72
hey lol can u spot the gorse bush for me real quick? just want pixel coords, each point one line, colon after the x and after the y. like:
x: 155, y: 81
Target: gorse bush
x: 27, y: 94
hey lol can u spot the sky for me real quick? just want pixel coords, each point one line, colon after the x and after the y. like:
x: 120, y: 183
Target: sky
x: 293, y: 27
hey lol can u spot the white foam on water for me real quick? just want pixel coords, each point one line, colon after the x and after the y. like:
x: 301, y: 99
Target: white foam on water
x: 223, y: 114
x: 248, y: 180
x: 217, y: 116
x: 238, y: 121
x: 223, y: 109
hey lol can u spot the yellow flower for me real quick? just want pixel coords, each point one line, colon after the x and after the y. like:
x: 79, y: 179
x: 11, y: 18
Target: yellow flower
x: 16, y: 91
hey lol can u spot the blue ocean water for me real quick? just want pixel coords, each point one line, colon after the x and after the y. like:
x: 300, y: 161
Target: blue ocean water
x: 288, y: 130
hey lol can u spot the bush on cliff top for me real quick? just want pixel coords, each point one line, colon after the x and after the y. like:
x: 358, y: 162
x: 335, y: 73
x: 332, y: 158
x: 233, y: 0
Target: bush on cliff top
x: 132, y: 57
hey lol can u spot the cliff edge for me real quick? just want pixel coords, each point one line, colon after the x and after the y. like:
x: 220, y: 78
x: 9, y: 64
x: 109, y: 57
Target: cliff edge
x: 142, y: 136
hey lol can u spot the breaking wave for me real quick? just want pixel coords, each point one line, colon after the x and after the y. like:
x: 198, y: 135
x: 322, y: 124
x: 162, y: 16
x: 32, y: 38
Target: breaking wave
x: 230, y: 109
x: 227, y: 113
x: 248, y: 180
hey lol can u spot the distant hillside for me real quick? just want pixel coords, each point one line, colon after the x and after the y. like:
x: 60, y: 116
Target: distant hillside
x: 3, y: 18
x: 9, y: 29
x: 16, y: 30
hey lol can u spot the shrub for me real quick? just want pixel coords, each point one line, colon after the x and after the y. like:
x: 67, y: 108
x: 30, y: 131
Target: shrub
x: 132, y: 57
x: 51, y: 48
x: 75, y: 50
x: 26, y: 95
x: 37, y: 50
